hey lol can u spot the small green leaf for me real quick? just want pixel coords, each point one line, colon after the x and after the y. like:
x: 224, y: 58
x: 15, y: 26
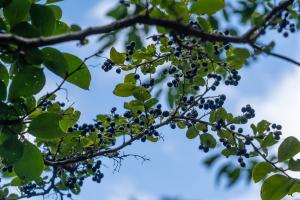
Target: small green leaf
x: 151, y: 102
x: 116, y: 57
x: 134, y: 105
x: 288, y: 148
x: 124, y: 90
x: 294, y: 165
x: 43, y: 18
x: 31, y: 164
x: 261, y: 170
x: 268, y: 141
x: 152, y: 139
x: 257, y: 19
x: 275, y: 187
x: 16, y: 11
x: 207, y: 6
x: 229, y: 152
x: 69, y: 119
x: 27, y: 82
x: 141, y: 94
x: 208, y: 140
x: 262, y: 126
x: 192, y: 132
x: 129, y: 78
x: 46, y: 126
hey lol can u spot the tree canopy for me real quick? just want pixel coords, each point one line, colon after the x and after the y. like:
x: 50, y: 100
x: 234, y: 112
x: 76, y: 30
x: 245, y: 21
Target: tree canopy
x: 183, y: 49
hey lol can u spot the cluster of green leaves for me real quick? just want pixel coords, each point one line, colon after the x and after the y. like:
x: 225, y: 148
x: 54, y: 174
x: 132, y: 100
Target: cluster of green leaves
x: 22, y: 75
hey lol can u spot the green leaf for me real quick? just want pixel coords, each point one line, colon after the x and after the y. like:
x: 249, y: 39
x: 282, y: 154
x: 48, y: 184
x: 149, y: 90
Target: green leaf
x: 55, y: 61
x: 207, y: 6
x: 16, y: 11
x: 61, y: 28
x: 129, y: 78
x: 134, y: 105
x: 56, y: 11
x: 229, y: 152
x: 53, y: 1
x: 151, y: 102
x: 69, y: 119
x: 27, y: 82
x: 11, y: 150
x: 119, y: 12
x: 46, y: 126
x: 26, y: 30
x: 34, y: 56
x: 261, y: 170
x: 268, y: 141
x: 43, y: 18
x: 208, y: 140
x: 78, y: 71
x: 237, y: 57
x: 288, y: 148
x: 152, y: 139
x: 294, y: 165
x: 257, y: 19
x: 192, y: 132
x: 116, y: 57
x: 4, y: 74
x: 241, y: 53
x: 262, y: 126
x: 124, y: 90
x: 275, y: 187
x: 141, y: 94
x: 3, y: 91
x: 295, y: 188
x: 31, y: 164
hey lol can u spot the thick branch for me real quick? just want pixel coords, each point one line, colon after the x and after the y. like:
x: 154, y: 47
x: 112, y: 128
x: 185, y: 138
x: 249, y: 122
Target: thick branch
x: 117, y: 25
x: 7, y: 122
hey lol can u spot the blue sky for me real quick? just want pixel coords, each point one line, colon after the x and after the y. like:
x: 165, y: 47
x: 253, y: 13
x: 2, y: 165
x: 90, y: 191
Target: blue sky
x: 270, y: 85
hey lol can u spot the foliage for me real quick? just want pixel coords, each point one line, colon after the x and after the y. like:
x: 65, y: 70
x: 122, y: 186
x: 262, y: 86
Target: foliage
x: 43, y: 149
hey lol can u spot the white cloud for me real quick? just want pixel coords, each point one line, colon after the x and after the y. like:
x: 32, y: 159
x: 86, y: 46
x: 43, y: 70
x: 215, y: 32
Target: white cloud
x: 281, y: 104
x: 100, y: 9
x: 127, y: 190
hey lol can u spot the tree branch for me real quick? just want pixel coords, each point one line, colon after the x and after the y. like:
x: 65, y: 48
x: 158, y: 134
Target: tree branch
x: 132, y: 20
x: 114, y: 26
x: 276, y: 55
x: 269, y: 17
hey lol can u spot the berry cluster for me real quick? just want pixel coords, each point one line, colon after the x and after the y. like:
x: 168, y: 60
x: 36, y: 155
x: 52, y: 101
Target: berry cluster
x: 8, y: 169
x: 248, y: 113
x: 107, y: 65
x: 233, y: 78
x: 130, y: 50
x: 29, y: 189
x: 285, y: 25
x: 47, y: 103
